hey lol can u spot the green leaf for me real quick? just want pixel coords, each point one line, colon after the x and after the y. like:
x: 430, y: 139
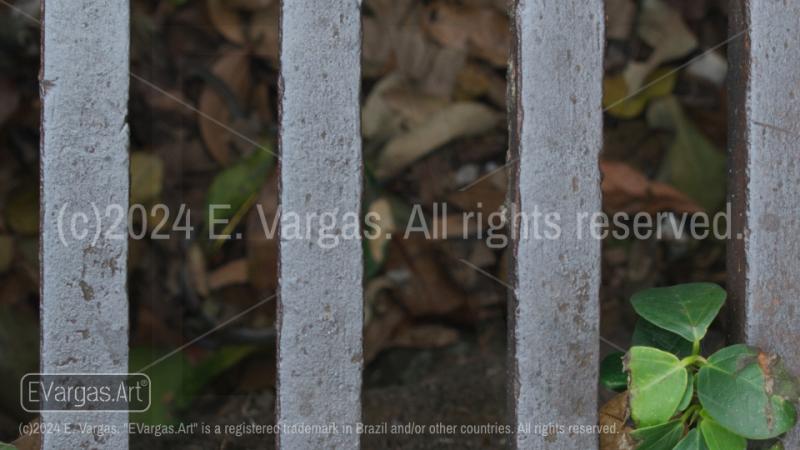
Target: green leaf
x: 167, y: 379
x: 692, y: 441
x: 685, y: 309
x: 612, y: 374
x: 22, y: 209
x: 659, y: 437
x: 176, y: 381
x: 687, y: 394
x: 735, y: 391
x: 147, y: 177
x: 648, y: 335
x: 657, y: 384
x: 4, y: 446
x: 617, y: 98
x: 692, y: 164
x: 234, y: 187
x: 19, y: 335
x: 777, y: 446
x: 718, y: 438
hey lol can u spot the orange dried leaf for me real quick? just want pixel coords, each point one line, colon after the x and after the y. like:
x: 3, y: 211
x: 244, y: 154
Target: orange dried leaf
x: 626, y: 189
x: 484, y: 32
x: 233, y: 69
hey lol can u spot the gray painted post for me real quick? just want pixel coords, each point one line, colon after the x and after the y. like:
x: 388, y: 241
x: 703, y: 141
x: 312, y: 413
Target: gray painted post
x: 556, y: 136
x: 320, y: 294
x: 84, y: 165
x: 764, y: 251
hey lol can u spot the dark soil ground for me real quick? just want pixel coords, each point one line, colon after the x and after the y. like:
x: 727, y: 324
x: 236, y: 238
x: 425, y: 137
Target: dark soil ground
x: 460, y: 385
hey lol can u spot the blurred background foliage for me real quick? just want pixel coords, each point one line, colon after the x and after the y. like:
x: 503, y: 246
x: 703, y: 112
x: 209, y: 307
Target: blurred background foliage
x: 434, y: 130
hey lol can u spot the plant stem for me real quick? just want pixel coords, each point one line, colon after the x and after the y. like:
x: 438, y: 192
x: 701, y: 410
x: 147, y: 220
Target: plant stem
x: 693, y: 360
x: 696, y: 348
x: 697, y: 413
x: 690, y: 412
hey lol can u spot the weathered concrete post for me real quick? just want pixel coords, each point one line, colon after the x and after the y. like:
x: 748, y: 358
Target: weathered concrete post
x: 556, y: 136
x: 320, y: 294
x: 84, y: 169
x: 764, y: 249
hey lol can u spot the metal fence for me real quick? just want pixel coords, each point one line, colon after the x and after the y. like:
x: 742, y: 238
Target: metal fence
x: 556, y: 136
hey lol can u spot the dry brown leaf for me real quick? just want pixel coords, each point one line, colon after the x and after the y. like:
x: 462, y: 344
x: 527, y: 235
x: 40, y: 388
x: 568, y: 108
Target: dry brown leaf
x: 381, y: 208
x: 613, y: 416
x: 393, y: 38
x: 29, y: 441
x: 457, y: 120
x: 434, y: 69
x: 374, y: 294
x: 251, y: 5
x: 262, y: 249
x: 385, y: 321
x: 442, y: 75
x: 482, y: 256
x: 234, y: 272
x: 376, y: 47
x: 153, y: 328
x: 427, y: 291
x: 454, y: 226
x: 413, y: 106
x: 17, y: 286
x: 477, y: 80
x: 226, y: 20
x: 390, y: 12
x: 172, y: 102
x: 9, y: 99
x: 378, y: 121
x: 483, y: 32
x: 233, y: 68
x: 265, y: 32
x: 258, y: 374
x: 261, y: 32
x: 198, y: 273
x: 620, y: 16
x: 382, y: 31
x: 626, y: 189
x: 484, y: 197
x: 500, y: 5
x: 424, y: 336
x: 663, y: 28
x: 261, y: 103
x: 412, y: 51
x: 695, y: 9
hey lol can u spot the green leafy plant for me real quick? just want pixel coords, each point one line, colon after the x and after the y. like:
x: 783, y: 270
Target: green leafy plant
x: 679, y: 399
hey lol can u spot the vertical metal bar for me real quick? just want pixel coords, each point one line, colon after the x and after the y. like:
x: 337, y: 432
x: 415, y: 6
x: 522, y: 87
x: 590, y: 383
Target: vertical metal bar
x: 84, y: 170
x: 556, y: 136
x: 321, y: 300
x: 764, y: 178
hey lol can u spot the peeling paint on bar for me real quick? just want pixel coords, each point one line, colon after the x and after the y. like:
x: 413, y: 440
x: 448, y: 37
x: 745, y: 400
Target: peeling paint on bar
x: 765, y: 179
x: 556, y: 135
x: 84, y: 162
x: 320, y: 294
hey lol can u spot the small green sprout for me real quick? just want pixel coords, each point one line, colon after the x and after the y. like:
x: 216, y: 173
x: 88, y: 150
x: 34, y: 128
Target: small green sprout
x: 681, y: 400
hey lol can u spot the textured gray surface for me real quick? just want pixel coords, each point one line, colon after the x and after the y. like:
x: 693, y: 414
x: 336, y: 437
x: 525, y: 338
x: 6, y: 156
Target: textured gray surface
x: 84, y: 88
x: 764, y: 264
x: 320, y: 301
x: 556, y: 136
